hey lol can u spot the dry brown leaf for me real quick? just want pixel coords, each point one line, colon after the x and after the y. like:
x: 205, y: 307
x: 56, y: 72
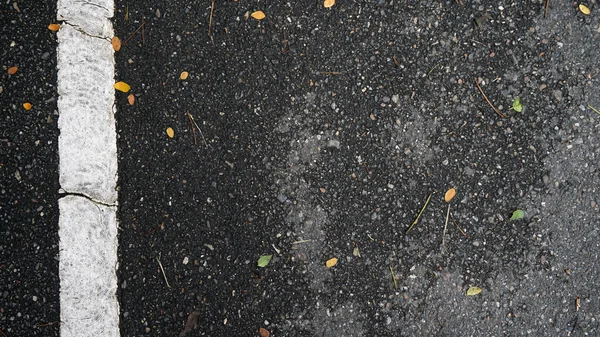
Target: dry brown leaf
x: 264, y: 332
x: 328, y: 3
x: 12, y: 70
x: 53, y: 27
x: 184, y: 75
x: 170, y: 133
x: 131, y: 99
x: 27, y: 106
x: 122, y: 86
x: 450, y: 194
x: 116, y: 43
x: 258, y: 15
x: 331, y: 262
x: 192, y: 322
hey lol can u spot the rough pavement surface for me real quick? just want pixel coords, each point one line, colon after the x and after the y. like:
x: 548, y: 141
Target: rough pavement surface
x: 29, y: 301
x: 321, y: 132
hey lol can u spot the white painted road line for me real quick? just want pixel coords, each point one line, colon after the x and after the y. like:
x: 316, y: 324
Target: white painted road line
x: 87, y: 170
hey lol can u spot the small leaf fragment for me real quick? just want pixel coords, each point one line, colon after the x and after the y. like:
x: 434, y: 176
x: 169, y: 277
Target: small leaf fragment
x: 584, y: 9
x: 170, y: 132
x: 122, y: 86
x: 27, y: 106
x: 53, y: 27
x: 518, y: 214
x: 131, y: 99
x: 331, y: 262
x: 356, y: 252
x: 450, y: 194
x: 192, y: 322
x: 116, y: 43
x: 12, y: 70
x: 258, y: 15
x: 322, y: 189
x: 184, y: 75
x: 472, y: 291
x: 264, y: 260
x: 264, y: 332
x: 516, y: 105
x: 328, y: 3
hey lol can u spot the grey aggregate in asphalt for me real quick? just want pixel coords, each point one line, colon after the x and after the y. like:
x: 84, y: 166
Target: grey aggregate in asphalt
x: 323, y: 133
x: 29, y: 286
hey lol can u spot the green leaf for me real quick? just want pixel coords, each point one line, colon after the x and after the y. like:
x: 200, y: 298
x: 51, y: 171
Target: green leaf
x: 518, y: 214
x: 472, y: 291
x: 264, y: 260
x: 517, y: 105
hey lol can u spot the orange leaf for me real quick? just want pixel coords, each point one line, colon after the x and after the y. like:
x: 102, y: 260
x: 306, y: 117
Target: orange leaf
x: 331, y: 262
x: 328, y: 3
x: 27, y: 106
x: 131, y: 99
x: 450, y: 194
x: 122, y: 86
x: 170, y: 133
x: 264, y: 332
x: 258, y: 15
x: 12, y: 70
x: 53, y: 27
x: 116, y: 43
x: 184, y: 75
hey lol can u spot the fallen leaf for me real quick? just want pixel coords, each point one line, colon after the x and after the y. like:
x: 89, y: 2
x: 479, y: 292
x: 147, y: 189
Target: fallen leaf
x: 264, y: 260
x: 323, y: 190
x: 518, y: 214
x: 122, y: 86
x: 131, y: 99
x: 583, y: 8
x: 12, y: 70
x: 516, y: 105
x: 184, y: 75
x: 27, y: 106
x: 328, y: 3
x: 450, y: 194
x: 192, y: 322
x: 472, y: 291
x: 264, y: 332
x: 331, y: 262
x: 258, y: 15
x: 53, y: 27
x: 170, y: 132
x: 116, y: 43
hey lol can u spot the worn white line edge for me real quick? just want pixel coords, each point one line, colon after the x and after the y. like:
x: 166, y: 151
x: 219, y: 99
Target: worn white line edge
x: 87, y: 170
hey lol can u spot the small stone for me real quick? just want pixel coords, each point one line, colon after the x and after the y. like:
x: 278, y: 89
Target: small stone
x: 158, y: 13
x: 395, y: 98
x: 34, y: 298
x: 186, y: 260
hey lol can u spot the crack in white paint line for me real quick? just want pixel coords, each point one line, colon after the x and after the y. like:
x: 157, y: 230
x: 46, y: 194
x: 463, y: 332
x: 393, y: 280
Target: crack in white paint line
x: 87, y: 170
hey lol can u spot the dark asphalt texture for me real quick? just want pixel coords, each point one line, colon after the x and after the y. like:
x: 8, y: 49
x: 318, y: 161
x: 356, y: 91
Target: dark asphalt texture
x: 29, y: 285
x: 328, y: 144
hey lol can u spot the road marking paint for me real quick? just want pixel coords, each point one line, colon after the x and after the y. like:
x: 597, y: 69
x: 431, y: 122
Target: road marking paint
x: 87, y: 170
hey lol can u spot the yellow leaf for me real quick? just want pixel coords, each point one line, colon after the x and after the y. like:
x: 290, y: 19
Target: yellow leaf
x: 258, y: 15
x: 27, y: 106
x: 328, y: 3
x: 583, y: 8
x: 131, y: 99
x: 122, y: 86
x: 12, y: 70
x: 331, y: 262
x: 450, y: 194
x: 184, y: 75
x: 53, y: 27
x: 170, y: 132
x: 472, y: 291
x: 116, y: 43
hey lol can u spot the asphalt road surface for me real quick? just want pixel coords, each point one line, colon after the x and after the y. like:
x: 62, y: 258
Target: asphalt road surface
x: 316, y: 134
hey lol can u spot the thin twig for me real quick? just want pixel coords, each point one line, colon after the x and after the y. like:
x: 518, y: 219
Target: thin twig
x: 330, y: 72
x: 595, y: 110
x: 132, y: 34
x: 45, y: 324
x: 3, y: 334
x: 463, y: 232
x: 488, y: 101
x: 163, y: 272
x: 212, y: 8
x: 301, y: 241
x: 445, y: 226
x: 201, y: 134
x: 284, y: 49
x: 393, y: 277
x: 546, y: 8
x: 192, y: 124
x: 420, y: 212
